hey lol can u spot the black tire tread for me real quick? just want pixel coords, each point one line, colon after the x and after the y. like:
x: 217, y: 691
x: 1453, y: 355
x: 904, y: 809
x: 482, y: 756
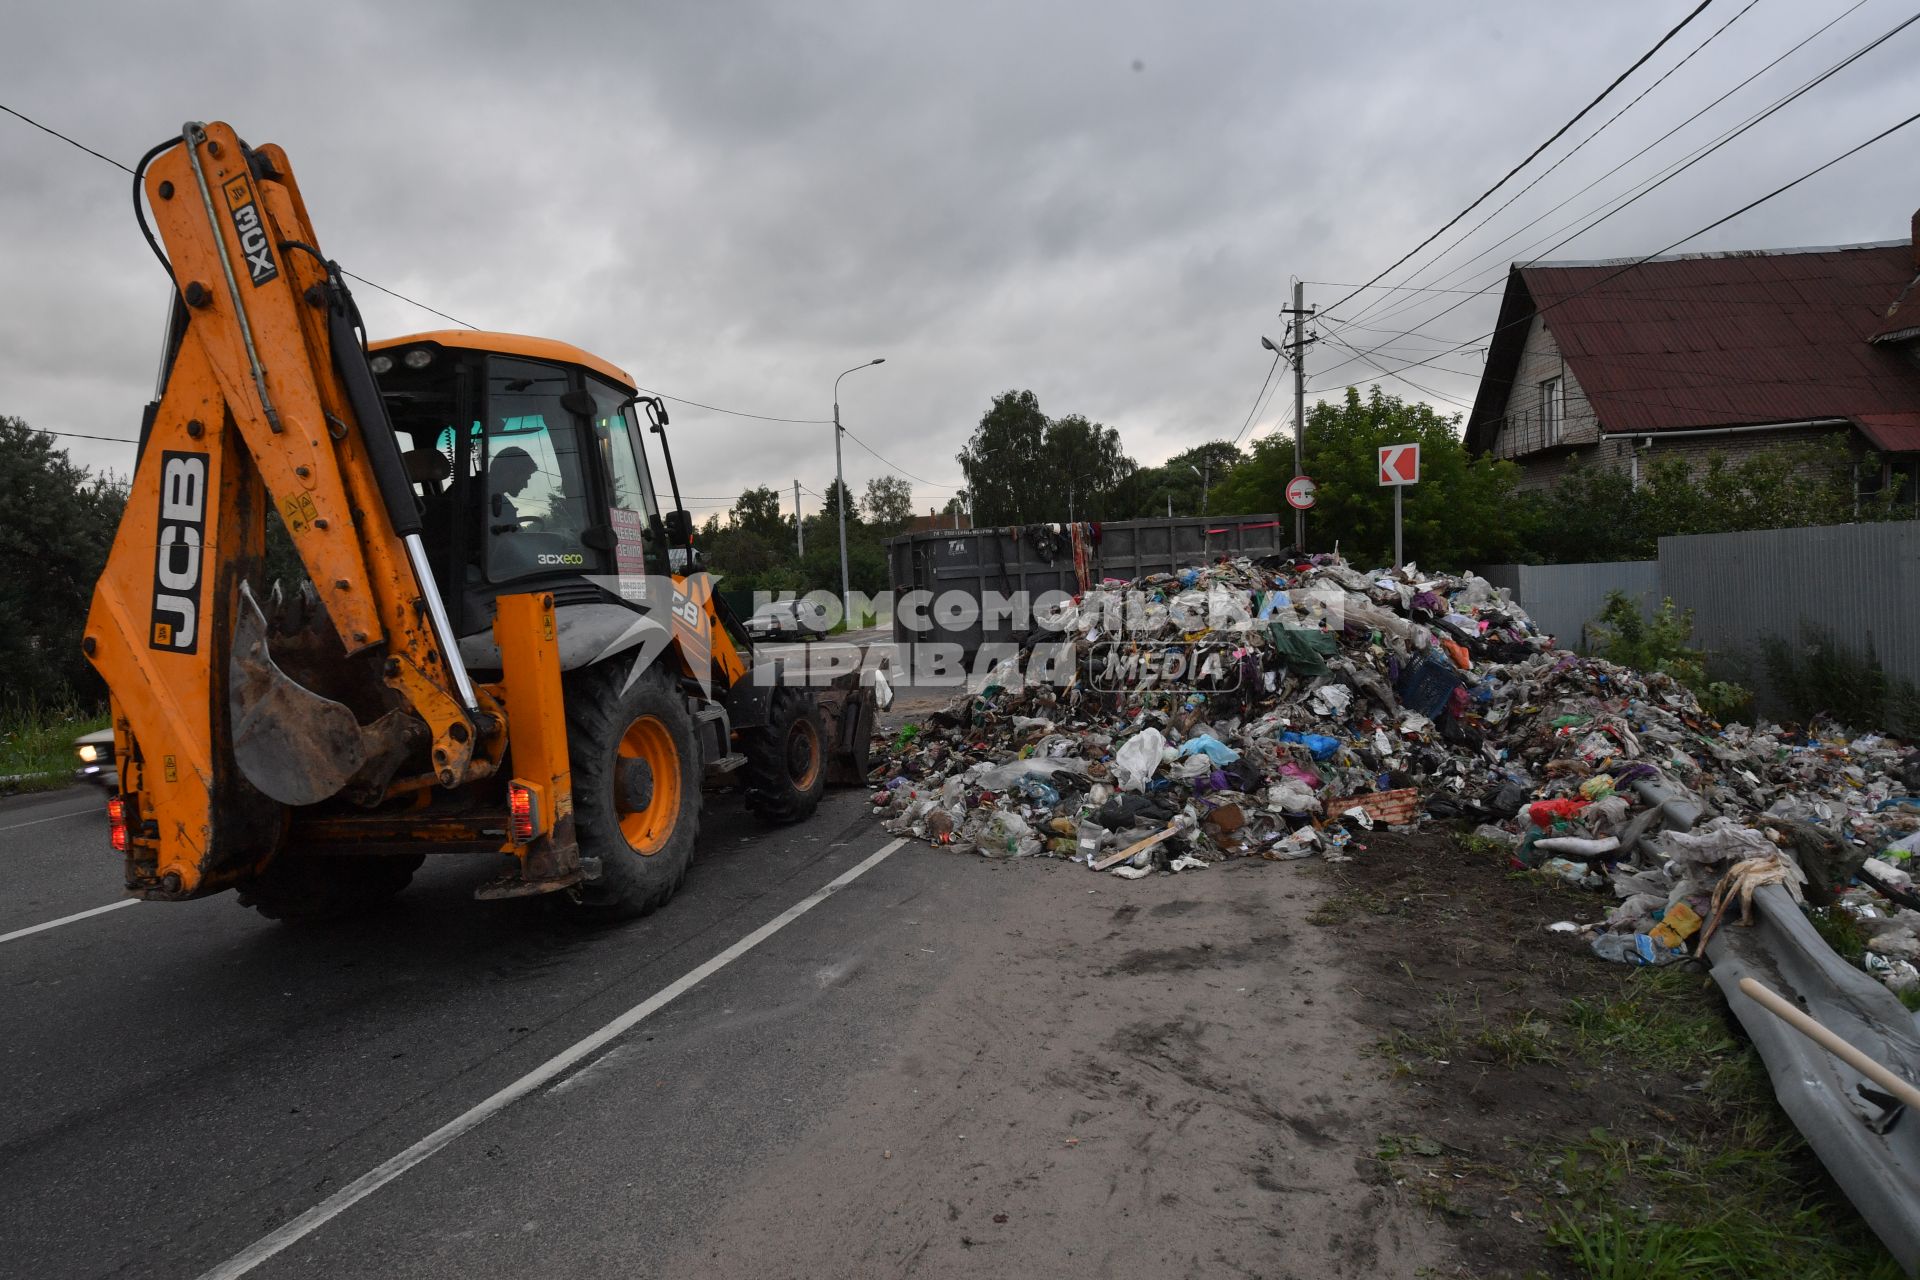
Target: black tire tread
x: 770, y: 793
x: 598, y: 712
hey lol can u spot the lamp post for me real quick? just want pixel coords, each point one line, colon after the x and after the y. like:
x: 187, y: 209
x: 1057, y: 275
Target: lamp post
x: 840, y: 478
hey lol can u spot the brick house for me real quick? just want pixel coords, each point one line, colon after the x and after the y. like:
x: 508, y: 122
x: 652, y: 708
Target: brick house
x: 1615, y: 363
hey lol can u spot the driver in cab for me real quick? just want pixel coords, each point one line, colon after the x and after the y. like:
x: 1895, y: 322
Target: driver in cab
x: 507, y: 476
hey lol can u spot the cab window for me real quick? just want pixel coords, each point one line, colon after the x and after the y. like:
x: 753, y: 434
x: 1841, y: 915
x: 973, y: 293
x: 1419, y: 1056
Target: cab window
x: 538, y: 499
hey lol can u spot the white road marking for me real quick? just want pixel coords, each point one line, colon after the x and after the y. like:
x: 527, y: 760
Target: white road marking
x: 101, y: 809
x: 380, y: 1175
x: 78, y: 915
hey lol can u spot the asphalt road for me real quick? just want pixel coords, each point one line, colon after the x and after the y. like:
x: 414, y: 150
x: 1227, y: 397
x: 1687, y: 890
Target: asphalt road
x: 943, y: 1066
x: 182, y: 1079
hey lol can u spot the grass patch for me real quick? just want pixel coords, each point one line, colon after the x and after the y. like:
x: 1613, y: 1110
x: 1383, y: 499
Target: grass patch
x: 36, y: 747
x: 1731, y: 1197
x: 1518, y: 1040
x: 1841, y: 931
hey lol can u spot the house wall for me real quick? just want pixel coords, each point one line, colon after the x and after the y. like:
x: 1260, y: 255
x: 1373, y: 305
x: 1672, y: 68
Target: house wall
x: 1521, y: 433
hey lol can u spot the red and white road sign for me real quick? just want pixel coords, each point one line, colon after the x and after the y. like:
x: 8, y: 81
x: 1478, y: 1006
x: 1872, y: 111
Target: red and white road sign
x: 1400, y: 464
x: 1300, y: 492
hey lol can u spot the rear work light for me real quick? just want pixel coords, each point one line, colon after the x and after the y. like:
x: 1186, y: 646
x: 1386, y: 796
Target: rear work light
x: 117, y: 824
x: 523, y: 813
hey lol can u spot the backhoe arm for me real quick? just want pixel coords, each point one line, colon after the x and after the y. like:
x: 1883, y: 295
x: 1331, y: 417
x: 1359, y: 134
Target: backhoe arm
x: 266, y: 398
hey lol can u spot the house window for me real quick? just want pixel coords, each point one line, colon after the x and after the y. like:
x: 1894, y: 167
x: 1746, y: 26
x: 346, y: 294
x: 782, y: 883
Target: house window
x: 1553, y: 408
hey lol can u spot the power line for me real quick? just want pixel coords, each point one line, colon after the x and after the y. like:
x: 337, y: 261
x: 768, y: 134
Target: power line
x: 63, y: 137
x: 1638, y: 63
x: 394, y: 293
x: 737, y: 413
x: 1575, y: 149
x: 1466, y: 269
x: 414, y: 301
x: 899, y: 469
x: 1429, y: 391
x: 1680, y: 167
x: 1692, y: 235
x: 79, y: 435
x: 1259, y: 398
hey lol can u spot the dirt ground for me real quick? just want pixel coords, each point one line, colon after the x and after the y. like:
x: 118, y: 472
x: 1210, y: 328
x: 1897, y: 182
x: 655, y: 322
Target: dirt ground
x: 1154, y: 1078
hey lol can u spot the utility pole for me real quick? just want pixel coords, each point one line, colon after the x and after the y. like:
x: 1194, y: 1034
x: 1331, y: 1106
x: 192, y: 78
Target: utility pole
x: 799, y: 532
x: 1299, y: 311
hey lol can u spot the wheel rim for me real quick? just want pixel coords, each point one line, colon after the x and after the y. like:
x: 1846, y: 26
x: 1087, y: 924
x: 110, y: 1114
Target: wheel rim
x: 647, y: 830
x: 803, y: 755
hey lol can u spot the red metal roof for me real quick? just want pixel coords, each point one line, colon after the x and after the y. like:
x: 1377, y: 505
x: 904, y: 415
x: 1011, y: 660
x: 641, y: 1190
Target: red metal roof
x: 1717, y: 340
x: 1891, y: 432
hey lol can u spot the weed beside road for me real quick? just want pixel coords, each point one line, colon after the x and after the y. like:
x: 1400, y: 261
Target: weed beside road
x: 36, y: 747
x: 1565, y: 1116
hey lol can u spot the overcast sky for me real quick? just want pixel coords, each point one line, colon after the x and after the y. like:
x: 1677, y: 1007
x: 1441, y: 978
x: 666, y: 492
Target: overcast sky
x: 1103, y: 202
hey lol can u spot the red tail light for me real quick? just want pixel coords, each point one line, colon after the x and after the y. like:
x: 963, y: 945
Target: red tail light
x: 523, y: 817
x: 117, y: 824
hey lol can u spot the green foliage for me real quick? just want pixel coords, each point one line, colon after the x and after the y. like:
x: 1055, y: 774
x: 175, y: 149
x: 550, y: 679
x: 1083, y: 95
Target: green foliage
x: 1664, y: 644
x: 1820, y: 677
x: 888, y: 504
x: 60, y: 522
x: 1728, y: 1199
x: 1459, y: 513
x: 36, y: 746
x: 1022, y: 466
x: 1595, y: 513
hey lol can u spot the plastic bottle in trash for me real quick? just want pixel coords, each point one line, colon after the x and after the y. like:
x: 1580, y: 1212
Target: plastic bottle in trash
x: 1039, y: 790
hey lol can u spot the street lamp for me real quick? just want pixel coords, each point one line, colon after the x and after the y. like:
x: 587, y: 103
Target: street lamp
x: 840, y: 477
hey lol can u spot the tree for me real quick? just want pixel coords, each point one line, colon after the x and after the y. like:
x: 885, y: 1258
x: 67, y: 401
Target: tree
x: 838, y: 496
x: 60, y: 524
x: 1087, y: 468
x: 889, y: 504
x: 1461, y: 512
x: 758, y: 512
x: 1005, y: 462
x: 1599, y: 513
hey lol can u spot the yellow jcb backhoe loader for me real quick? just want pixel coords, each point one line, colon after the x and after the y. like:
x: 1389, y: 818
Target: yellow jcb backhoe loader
x: 501, y: 644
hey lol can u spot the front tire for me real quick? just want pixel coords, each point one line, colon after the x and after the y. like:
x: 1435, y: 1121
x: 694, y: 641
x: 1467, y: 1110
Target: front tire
x: 636, y: 789
x: 786, y: 769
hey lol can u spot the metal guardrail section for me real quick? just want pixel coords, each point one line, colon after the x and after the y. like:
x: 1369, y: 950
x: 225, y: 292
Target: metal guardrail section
x: 976, y: 561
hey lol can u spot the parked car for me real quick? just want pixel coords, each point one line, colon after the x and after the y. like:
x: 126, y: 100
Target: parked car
x: 801, y: 619
x: 95, y: 751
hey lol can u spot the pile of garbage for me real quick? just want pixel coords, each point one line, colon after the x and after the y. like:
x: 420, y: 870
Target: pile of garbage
x: 1316, y: 703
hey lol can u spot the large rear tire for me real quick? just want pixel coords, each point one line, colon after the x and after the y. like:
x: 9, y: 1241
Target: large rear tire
x: 294, y: 888
x: 786, y: 769
x: 636, y: 789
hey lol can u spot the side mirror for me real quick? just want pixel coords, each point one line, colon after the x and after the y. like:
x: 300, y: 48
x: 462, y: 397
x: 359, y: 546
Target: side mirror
x: 579, y: 403
x: 679, y: 526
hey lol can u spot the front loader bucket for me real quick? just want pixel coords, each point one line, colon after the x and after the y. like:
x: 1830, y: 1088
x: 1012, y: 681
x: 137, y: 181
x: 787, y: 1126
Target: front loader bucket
x: 847, y: 710
x: 290, y: 742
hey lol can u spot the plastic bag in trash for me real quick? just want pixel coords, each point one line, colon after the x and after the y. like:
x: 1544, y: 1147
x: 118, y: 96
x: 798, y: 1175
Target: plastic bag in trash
x: 1137, y: 759
x: 1211, y: 747
x: 1007, y: 835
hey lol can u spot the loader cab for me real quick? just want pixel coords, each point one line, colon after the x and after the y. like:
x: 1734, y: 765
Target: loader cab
x: 529, y: 464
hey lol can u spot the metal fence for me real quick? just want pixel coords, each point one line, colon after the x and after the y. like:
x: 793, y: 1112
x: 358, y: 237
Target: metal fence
x: 1857, y: 586
x: 976, y: 561
x: 1564, y: 599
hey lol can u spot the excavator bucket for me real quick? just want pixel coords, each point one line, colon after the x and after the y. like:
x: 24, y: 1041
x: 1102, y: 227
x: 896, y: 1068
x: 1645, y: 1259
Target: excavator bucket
x: 293, y: 744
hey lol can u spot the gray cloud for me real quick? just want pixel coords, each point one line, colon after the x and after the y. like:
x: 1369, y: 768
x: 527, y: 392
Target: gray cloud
x: 736, y: 201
